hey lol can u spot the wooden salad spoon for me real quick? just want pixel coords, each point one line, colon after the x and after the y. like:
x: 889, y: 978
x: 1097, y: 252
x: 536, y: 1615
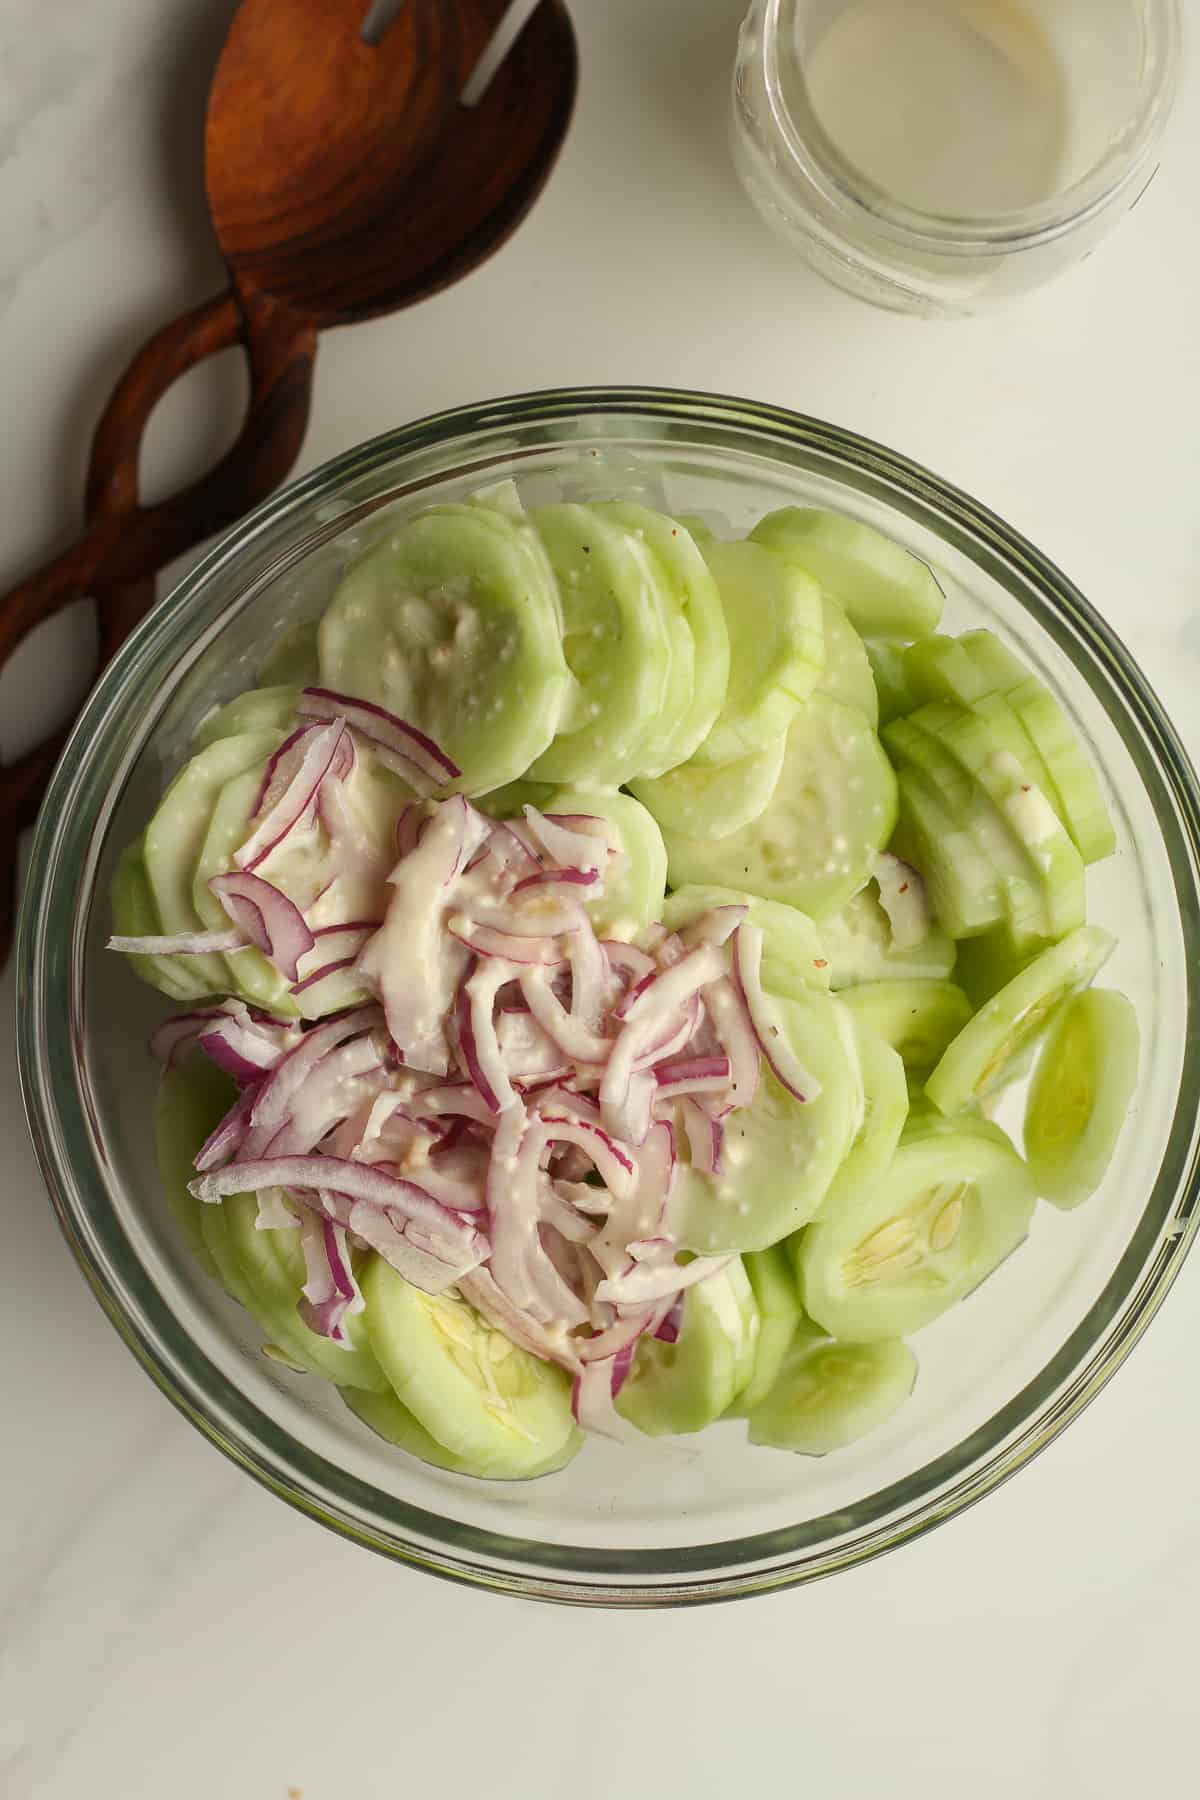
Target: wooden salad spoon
x: 357, y: 159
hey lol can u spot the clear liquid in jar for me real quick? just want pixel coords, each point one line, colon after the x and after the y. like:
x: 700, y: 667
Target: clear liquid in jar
x: 956, y: 107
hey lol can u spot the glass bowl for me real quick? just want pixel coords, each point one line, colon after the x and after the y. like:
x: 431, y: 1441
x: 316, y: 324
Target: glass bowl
x: 709, y: 1517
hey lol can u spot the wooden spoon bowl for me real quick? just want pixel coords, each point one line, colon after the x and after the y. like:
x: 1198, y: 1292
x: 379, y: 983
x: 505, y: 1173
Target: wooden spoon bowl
x: 345, y: 179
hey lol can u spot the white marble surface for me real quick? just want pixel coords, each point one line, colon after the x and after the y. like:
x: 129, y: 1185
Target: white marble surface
x: 168, y: 1629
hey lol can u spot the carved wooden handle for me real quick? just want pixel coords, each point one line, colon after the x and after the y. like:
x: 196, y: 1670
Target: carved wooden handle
x: 126, y: 543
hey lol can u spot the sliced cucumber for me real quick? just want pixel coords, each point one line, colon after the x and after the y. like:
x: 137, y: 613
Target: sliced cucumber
x: 847, y: 677
x: 292, y: 660
x: 634, y: 887
x: 682, y: 1387
x: 896, y: 1254
x: 794, y: 958
x: 989, y: 962
x: 259, y: 709
x: 615, y: 645
x: 959, y: 879
x: 917, y: 1018
x: 770, y: 612
x: 982, y: 1057
x: 834, y: 807
x: 491, y: 1403
x: 385, y: 1415
x: 175, y: 837
x: 453, y: 623
x: 698, y: 601
x: 885, y: 1113
x: 1080, y: 1095
x: 829, y: 1395
x: 983, y: 743
x: 667, y: 737
x: 892, y: 689
x: 884, y: 590
x: 773, y: 1283
x: 273, y: 1265
x: 697, y: 798
x: 1076, y: 791
x: 780, y: 1154
x: 193, y: 1098
x: 858, y: 944
x: 134, y: 914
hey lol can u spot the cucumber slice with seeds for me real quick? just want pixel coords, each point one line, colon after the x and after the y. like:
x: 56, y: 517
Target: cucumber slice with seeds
x: 981, y: 1058
x: 453, y: 623
x: 680, y: 1388
x: 834, y: 807
x: 828, y: 1395
x: 503, y: 1411
x: 696, y: 798
x: 897, y: 1254
x: 917, y: 1018
x: 1080, y: 1095
x: 698, y: 600
x: 884, y: 590
x: 769, y: 611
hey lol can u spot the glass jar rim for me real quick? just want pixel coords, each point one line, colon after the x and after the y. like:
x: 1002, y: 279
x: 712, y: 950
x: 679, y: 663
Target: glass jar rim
x: 845, y: 189
x: 60, y: 889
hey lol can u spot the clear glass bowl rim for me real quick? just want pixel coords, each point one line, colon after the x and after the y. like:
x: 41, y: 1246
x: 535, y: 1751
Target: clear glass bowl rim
x: 50, y: 981
x: 850, y: 192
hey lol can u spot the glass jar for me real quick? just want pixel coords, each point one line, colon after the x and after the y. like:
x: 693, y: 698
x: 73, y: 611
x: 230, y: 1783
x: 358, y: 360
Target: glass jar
x: 942, y: 156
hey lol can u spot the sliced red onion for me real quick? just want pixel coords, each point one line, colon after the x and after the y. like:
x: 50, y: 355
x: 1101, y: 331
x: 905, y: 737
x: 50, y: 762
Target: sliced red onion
x: 527, y: 1051
x: 354, y: 1180
x: 487, y: 940
x: 648, y: 1281
x: 292, y: 793
x: 330, y: 1292
x: 256, y: 1041
x: 716, y: 926
x: 383, y: 730
x: 274, y: 1213
x: 460, y: 1098
x: 477, y: 1033
x: 337, y: 947
x: 518, y: 1263
x: 510, y: 850
x: 573, y: 1036
x: 343, y: 1081
x: 591, y: 977
x: 552, y: 1344
x: 612, y: 1161
x: 226, y: 1138
x: 735, y: 1033
x: 272, y: 922
x: 670, y: 1327
x: 432, y: 1273
x: 558, y: 1209
x: 692, y: 1075
x: 902, y: 896
x: 705, y: 1136
x: 412, y: 962
x: 786, y: 1066
x: 592, y: 1400
x: 675, y: 1037
x: 572, y: 845
x: 274, y: 1102
x: 653, y: 1013
x: 560, y: 1098
x: 182, y: 943
x: 567, y: 879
